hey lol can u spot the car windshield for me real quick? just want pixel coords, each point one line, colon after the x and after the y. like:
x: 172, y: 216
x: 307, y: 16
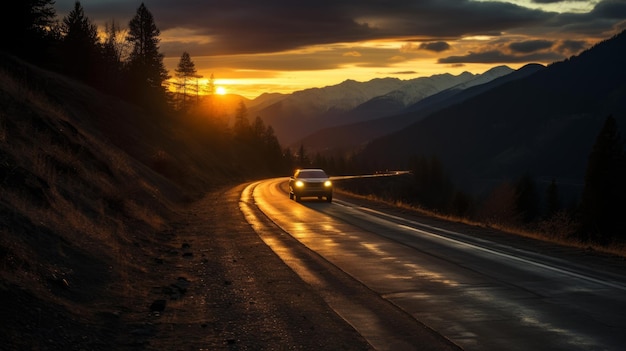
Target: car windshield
x: 312, y: 174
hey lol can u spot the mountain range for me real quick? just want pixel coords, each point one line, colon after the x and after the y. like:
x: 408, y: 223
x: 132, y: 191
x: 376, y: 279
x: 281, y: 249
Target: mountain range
x: 297, y: 115
x: 487, y: 128
x: 348, y: 138
x: 543, y: 125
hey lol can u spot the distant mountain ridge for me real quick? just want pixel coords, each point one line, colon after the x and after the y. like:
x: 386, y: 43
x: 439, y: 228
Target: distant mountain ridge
x: 303, y: 112
x: 417, y: 90
x: 543, y: 124
x: 352, y: 137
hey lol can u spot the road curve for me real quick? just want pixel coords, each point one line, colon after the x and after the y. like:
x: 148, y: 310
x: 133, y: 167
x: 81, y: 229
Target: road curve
x: 382, y: 324
x: 478, y: 294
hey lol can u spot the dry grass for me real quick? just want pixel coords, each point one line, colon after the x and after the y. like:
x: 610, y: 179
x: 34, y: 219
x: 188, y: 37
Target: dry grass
x: 79, y: 215
x: 556, y: 230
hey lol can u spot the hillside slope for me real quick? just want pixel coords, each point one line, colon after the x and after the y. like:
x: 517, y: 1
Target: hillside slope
x: 103, y: 245
x: 299, y: 114
x: 392, y: 116
x: 76, y: 210
x: 543, y: 125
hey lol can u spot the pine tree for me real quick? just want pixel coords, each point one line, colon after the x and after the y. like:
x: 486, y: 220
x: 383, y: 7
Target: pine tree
x: 527, y: 201
x: 273, y: 151
x: 112, y: 52
x: 211, y: 85
x: 186, y: 73
x: 461, y: 204
x: 241, y: 125
x: 258, y: 130
x: 302, y: 157
x: 26, y: 27
x: 603, y: 206
x: 81, y: 47
x: 145, y: 64
x: 432, y: 188
x: 553, y: 203
x: 111, y: 43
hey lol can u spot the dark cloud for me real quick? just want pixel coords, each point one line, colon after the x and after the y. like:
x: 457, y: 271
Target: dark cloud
x: 548, y: 1
x: 497, y: 56
x: 333, y: 57
x: 286, y: 62
x: 244, y: 26
x: 607, y: 18
x: 437, y: 46
x: 610, y: 9
x: 250, y: 26
x: 570, y: 47
x: 530, y: 46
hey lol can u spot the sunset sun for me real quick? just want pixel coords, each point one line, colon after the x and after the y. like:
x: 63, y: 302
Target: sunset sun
x: 220, y: 91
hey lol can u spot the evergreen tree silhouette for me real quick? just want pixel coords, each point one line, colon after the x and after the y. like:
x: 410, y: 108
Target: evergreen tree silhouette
x: 28, y: 28
x: 432, y: 188
x: 81, y: 48
x: 145, y: 64
x: 603, y: 201
x: 111, y: 62
x: 553, y: 203
x: 241, y: 125
x: 527, y: 201
x: 186, y: 74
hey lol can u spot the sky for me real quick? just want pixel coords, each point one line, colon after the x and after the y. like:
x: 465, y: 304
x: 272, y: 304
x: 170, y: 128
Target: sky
x: 253, y: 47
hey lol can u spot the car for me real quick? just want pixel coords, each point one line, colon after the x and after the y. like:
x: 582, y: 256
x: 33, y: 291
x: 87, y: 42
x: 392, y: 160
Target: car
x: 307, y: 182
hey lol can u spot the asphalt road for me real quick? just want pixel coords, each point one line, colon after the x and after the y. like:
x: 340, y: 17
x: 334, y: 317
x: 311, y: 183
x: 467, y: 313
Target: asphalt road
x: 478, y: 294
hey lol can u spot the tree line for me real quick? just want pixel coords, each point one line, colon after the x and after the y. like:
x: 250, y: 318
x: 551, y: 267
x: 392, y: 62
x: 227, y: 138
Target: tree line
x: 125, y: 62
x: 598, y: 216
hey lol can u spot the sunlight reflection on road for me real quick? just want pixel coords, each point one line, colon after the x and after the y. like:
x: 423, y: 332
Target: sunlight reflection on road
x: 464, y: 290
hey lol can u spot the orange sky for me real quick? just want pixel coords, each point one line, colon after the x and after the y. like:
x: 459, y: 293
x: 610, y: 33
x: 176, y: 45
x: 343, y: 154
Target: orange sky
x: 400, y: 62
x: 253, y: 47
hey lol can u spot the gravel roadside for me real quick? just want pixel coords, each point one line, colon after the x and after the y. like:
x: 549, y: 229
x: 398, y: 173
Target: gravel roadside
x: 238, y: 295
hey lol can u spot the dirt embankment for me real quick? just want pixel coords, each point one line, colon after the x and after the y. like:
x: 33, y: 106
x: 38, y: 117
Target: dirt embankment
x: 208, y: 283
x: 241, y: 296
x: 96, y: 253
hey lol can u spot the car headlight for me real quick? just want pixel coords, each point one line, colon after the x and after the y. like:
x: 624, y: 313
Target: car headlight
x: 328, y: 183
x: 299, y: 184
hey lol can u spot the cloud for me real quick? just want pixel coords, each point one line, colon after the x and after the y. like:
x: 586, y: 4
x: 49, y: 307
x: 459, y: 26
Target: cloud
x: 409, y: 48
x: 243, y: 27
x: 437, y: 46
x: 550, y: 1
x: 607, y: 18
x: 610, y: 9
x: 251, y: 26
x: 397, y: 58
x: 530, y: 46
x: 403, y: 72
x: 497, y: 56
x: 570, y: 47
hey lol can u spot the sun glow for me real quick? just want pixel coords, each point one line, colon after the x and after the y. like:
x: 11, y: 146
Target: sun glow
x: 220, y: 91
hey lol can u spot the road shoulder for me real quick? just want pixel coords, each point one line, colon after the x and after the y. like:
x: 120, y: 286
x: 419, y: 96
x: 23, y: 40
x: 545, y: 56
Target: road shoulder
x: 240, y: 295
